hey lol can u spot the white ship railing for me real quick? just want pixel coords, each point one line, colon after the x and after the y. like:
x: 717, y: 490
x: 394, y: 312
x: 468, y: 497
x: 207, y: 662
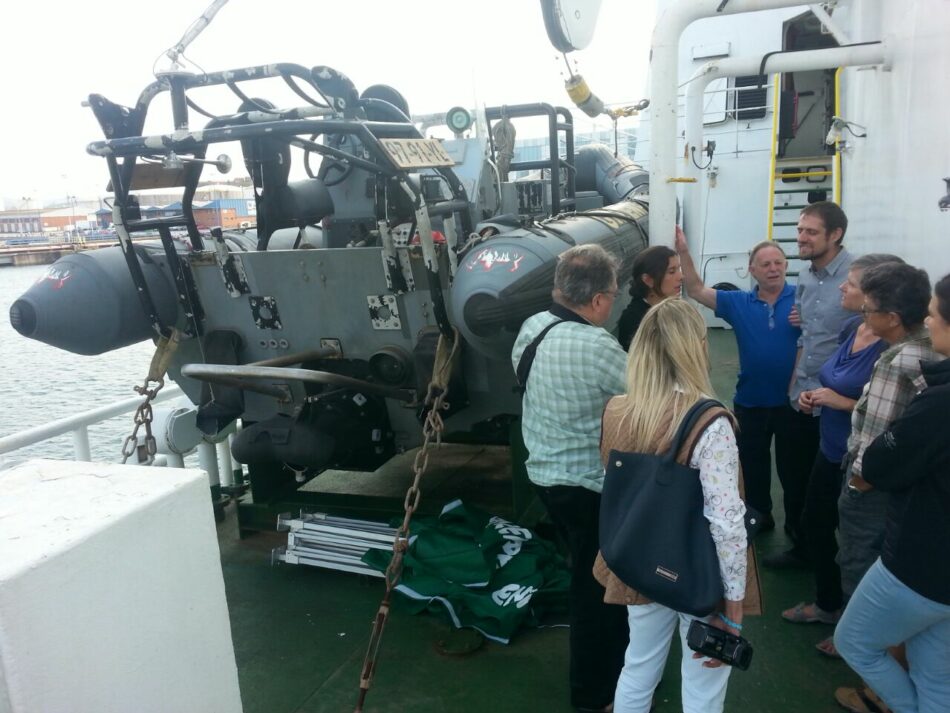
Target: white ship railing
x: 215, y: 458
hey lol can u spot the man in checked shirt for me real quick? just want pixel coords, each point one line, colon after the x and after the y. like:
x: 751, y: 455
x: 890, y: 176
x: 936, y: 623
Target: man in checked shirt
x: 577, y: 367
x: 895, y: 306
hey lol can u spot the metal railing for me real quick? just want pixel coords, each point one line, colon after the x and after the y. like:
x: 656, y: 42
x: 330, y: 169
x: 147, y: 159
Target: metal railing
x: 214, y: 458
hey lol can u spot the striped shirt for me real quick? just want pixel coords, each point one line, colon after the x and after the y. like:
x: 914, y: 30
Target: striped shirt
x: 577, y: 369
x: 888, y: 392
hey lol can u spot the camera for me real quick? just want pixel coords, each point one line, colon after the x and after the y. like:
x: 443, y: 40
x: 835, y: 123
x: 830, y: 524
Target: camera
x: 718, y: 644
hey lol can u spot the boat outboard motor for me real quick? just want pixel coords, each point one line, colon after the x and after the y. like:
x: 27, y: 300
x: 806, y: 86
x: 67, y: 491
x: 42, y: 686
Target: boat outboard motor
x: 616, y: 178
x: 506, y: 279
x: 86, y: 303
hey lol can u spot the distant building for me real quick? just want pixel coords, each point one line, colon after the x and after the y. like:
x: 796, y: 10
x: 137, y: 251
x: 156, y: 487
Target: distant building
x: 21, y: 222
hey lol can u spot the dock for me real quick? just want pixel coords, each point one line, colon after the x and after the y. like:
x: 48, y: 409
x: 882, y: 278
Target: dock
x: 47, y: 254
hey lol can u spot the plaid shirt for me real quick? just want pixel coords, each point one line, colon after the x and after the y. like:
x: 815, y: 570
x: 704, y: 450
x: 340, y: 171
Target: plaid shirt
x: 576, y: 371
x: 891, y: 388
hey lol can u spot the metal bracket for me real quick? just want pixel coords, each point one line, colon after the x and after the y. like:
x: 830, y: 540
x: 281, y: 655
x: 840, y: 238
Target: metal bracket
x: 383, y: 311
x: 232, y: 268
x: 264, y: 311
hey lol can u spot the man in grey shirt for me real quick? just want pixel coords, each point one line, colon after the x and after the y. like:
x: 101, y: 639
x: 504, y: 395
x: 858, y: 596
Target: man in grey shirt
x: 818, y: 310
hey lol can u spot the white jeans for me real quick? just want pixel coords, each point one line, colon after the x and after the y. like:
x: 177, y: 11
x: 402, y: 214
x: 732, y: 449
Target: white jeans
x: 651, y: 634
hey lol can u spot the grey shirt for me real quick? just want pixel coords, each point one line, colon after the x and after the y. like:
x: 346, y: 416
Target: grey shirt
x: 818, y: 298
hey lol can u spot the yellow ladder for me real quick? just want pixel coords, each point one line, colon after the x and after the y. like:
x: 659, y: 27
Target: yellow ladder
x: 794, y: 178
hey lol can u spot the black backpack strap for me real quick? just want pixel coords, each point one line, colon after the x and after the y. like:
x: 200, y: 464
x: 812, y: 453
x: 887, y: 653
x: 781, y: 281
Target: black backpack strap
x: 527, y: 356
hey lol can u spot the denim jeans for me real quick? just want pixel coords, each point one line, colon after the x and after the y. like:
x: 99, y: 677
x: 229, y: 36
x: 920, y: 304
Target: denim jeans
x: 861, y: 521
x: 884, y: 612
x: 651, y: 633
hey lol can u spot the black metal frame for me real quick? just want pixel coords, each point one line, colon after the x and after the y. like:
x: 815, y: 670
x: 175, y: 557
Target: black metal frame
x: 123, y: 127
x: 554, y: 163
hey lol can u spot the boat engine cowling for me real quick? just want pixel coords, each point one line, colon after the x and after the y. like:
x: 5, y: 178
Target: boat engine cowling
x: 86, y: 303
x: 506, y: 279
x: 616, y: 178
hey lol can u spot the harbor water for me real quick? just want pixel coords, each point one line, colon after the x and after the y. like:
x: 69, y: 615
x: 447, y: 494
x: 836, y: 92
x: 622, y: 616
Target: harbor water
x: 39, y: 383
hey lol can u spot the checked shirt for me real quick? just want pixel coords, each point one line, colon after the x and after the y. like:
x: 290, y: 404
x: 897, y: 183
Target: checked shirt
x: 891, y: 388
x: 576, y: 371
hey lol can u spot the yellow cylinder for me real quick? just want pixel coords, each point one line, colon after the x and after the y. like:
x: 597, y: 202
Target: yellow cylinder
x: 577, y: 89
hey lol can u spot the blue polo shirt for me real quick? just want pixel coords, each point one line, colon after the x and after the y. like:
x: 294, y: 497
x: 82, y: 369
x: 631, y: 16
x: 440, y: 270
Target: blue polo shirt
x: 767, y: 344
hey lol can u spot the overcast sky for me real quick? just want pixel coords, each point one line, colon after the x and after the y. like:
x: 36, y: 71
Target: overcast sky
x: 438, y: 53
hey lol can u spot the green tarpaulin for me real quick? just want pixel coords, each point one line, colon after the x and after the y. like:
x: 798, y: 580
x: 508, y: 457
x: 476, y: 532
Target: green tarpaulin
x: 485, y: 572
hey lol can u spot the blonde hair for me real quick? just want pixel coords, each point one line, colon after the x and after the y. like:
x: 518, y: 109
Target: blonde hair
x: 667, y: 371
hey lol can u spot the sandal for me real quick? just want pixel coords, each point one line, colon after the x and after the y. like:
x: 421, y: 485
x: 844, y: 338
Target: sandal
x: 803, y: 613
x: 860, y: 700
x: 826, y: 647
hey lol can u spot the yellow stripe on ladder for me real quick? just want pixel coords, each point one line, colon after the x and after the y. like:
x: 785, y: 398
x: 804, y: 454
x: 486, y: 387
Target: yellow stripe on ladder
x: 775, y: 94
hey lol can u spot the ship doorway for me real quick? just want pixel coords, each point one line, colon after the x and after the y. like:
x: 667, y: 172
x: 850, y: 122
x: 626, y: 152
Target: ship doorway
x: 806, y: 102
x: 804, y: 169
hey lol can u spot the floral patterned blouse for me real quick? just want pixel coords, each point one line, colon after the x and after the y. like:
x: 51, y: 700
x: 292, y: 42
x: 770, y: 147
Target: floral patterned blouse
x: 716, y: 455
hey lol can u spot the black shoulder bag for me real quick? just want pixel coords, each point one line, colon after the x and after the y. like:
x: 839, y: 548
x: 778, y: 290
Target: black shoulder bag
x: 653, y: 534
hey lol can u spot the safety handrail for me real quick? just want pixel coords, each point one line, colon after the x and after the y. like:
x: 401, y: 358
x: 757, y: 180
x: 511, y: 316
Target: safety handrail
x: 78, y: 423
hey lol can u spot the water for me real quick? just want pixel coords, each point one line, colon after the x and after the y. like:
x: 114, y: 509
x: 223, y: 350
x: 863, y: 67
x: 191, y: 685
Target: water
x: 39, y: 383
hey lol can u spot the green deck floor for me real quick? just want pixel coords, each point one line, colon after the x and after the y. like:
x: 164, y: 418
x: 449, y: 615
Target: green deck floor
x: 300, y: 635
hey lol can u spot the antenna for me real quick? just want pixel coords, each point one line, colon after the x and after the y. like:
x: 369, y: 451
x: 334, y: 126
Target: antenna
x: 195, y: 29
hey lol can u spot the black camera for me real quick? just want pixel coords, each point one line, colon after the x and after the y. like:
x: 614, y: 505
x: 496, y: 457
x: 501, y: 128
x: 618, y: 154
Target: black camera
x: 718, y: 644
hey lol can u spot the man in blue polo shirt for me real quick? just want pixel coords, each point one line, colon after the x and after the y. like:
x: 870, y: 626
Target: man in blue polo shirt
x: 768, y: 344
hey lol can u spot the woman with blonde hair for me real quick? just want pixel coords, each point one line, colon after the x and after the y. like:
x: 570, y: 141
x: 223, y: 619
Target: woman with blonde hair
x: 667, y: 373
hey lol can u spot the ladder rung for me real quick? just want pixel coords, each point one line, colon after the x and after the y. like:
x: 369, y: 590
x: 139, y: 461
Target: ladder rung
x: 787, y: 207
x: 803, y: 174
x: 784, y: 224
x: 784, y: 240
x: 804, y: 159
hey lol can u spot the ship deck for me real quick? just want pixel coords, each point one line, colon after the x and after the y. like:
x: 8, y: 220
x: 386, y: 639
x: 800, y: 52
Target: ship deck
x: 300, y: 633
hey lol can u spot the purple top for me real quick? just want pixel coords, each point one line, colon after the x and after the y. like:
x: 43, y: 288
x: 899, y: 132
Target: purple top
x: 845, y: 373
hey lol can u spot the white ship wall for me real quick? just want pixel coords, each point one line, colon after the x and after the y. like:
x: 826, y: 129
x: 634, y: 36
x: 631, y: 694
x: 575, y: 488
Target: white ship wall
x: 893, y: 179
x: 735, y: 202
x: 111, y: 593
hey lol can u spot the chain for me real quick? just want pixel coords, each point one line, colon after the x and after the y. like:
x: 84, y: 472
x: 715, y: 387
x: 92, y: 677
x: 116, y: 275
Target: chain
x: 143, y: 414
x: 432, y: 428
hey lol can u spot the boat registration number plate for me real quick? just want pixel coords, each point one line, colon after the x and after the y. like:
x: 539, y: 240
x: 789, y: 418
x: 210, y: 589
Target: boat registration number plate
x: 416, y: 153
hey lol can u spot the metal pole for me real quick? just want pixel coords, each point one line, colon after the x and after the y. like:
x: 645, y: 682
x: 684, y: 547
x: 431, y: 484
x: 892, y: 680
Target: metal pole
x: 81, y: 444
x: 223, y: 449
x: 208, y: 460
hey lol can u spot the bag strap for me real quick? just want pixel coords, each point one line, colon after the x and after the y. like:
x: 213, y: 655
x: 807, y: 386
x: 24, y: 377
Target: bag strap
x: 689, y: 421
x: 527, y: 356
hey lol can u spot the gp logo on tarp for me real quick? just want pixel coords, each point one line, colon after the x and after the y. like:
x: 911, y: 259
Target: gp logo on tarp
x: 513, y: 594
x: 514, y: 536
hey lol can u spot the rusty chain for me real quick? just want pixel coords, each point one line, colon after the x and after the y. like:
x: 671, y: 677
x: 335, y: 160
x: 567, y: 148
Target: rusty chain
x: 432, y: 428
x: 143, y: 414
